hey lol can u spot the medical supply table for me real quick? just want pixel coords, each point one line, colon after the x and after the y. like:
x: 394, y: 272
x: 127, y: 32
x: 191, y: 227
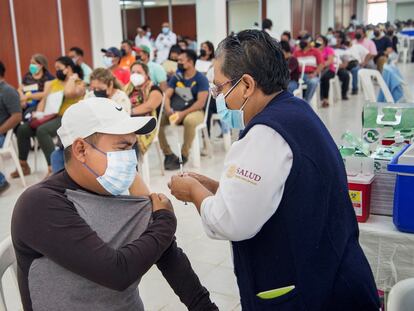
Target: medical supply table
x: 390, y: 252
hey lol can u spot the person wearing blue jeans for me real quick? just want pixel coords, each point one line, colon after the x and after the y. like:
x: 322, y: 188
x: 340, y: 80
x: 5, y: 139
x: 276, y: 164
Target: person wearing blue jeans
x: 311, y: 80
x: 354, y: 72
x: 57, y: 160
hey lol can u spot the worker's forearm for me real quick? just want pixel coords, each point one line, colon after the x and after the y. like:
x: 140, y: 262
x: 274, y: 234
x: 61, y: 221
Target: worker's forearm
x: 198, y: 194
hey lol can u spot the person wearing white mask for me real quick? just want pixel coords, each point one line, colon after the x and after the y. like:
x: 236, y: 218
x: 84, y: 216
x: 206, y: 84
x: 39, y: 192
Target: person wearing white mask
x: 77, y: 54
x: 165, y: 40
x: 145, y: 98
x: 111, y: 60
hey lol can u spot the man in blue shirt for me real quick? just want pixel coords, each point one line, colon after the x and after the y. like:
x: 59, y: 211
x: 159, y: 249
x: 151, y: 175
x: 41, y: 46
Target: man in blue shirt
x: 382, y: 42
x: 185, y: 99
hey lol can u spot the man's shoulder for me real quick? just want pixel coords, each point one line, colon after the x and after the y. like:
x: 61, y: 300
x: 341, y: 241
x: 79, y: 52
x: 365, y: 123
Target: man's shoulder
x: 7, y: 89
x: 200, y: 77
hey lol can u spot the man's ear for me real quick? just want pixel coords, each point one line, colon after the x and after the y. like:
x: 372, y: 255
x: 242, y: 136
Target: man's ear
x: 249, y: 85
x: 79, y: 150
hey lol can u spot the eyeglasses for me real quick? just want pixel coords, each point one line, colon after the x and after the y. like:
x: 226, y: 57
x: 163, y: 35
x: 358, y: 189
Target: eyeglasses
x: 216, y: 89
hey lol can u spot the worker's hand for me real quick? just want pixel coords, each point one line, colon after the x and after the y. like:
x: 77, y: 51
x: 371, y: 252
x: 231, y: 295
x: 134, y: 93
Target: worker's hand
x: 181, y: 187
x: 211, y: 184
x: 160, y: 202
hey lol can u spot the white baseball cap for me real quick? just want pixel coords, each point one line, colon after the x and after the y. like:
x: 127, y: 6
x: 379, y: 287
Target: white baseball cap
x: 100, y: 115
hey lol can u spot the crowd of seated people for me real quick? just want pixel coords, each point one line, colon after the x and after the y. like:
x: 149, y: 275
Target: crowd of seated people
x: 138, y: 73
x: 342, y: 52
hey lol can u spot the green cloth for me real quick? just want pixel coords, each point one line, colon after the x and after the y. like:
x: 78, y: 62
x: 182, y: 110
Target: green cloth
x: 86, y: 73
x: 157, y: 73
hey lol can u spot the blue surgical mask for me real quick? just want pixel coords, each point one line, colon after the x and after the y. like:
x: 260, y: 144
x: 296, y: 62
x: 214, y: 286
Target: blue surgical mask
x: 107, y: 61
x: 148, y: 35
x: 33, y: 68
x: 165, y: 30
x: 233, y: 118
x: 120, y: 172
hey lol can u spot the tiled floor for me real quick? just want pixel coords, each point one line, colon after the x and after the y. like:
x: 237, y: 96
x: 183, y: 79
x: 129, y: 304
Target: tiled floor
x: 210, y: 259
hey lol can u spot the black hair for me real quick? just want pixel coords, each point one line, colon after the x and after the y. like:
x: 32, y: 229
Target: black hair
x: 191, y: 55
x: 211, y: 48
x: 330, y: 29
x: 68, y: 62
x: 184, y: 41
x: 359, y: 27
x: 67, y: 152
x: 285, y: 46
x: 145, y: 28
x: 341, y: 35
x: 267, y: 24
x: 324, y: 39
x: 129, y: 42
x: 255, y: 53
x: 77, y: 50
x: 287, y: 34
x: 174, y: 49
x: 2, y: 69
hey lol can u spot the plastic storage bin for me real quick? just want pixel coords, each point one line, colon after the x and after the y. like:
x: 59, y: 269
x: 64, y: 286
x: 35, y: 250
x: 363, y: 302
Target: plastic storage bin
x: 403, y: 212
x: 360, y: 193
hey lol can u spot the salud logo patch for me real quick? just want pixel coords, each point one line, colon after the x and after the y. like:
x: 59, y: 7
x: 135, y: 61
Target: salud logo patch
x: 243, y: 174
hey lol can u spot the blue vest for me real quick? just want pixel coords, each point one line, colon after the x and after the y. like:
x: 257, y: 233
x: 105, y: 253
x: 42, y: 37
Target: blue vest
x: 312, y: 239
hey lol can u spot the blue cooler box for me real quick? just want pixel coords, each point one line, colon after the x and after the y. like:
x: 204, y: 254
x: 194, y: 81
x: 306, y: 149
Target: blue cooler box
x: 403, y: 165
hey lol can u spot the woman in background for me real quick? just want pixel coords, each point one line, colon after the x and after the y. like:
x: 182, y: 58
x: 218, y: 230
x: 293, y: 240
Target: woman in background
x: 31, y: 90
x: 145, y: 99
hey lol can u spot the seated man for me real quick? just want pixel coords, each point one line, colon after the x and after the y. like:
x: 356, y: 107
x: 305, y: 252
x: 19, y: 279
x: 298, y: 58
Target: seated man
x: 111, y: 61
x: 79, y: 243
x: 313, y: 62
x: 191, y: 113
x: 10, y: 115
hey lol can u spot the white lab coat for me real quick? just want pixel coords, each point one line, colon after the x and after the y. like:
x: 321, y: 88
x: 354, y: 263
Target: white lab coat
x: 163, y: 45
x: 251, y: 186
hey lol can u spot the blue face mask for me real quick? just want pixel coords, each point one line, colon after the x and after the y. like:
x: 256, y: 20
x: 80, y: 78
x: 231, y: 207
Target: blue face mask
x: 34, y: 69
x: 233, y: 118
x: 165, y: 30
x: 120, y: 172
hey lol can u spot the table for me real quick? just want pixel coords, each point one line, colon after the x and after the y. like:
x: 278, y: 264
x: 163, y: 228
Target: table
x: 390, y: 252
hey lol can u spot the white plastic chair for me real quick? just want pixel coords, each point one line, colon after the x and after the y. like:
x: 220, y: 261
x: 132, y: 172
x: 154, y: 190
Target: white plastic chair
x: 8, y: 149
x: 226, y: 136
x: 145, y: 165
x: 401, y: 297
x: 302, y: 85
x: 201, y: 129
x: 403, y: 47
x: 365, y: 77
x: 7, y: 260
x: 335, y: 84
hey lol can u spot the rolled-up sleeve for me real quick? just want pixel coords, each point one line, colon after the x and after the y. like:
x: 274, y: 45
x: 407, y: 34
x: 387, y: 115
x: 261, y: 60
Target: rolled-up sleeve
x: 251, y: 186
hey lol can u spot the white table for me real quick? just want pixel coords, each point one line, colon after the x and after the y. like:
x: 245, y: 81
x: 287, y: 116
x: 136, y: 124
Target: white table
x: 390, y: 252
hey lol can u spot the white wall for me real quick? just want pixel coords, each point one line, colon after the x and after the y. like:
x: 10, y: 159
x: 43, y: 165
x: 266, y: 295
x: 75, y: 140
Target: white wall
x: 279, y: 11
x: 243, y: 14
x: 211, y: 21
x: 400, y: 9
x: 327, y: 15
x: 106, y: 27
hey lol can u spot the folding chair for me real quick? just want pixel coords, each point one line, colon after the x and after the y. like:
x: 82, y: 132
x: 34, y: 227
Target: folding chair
x: 8, y: 149
x: 7, y: 260
x: 365, y: 77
